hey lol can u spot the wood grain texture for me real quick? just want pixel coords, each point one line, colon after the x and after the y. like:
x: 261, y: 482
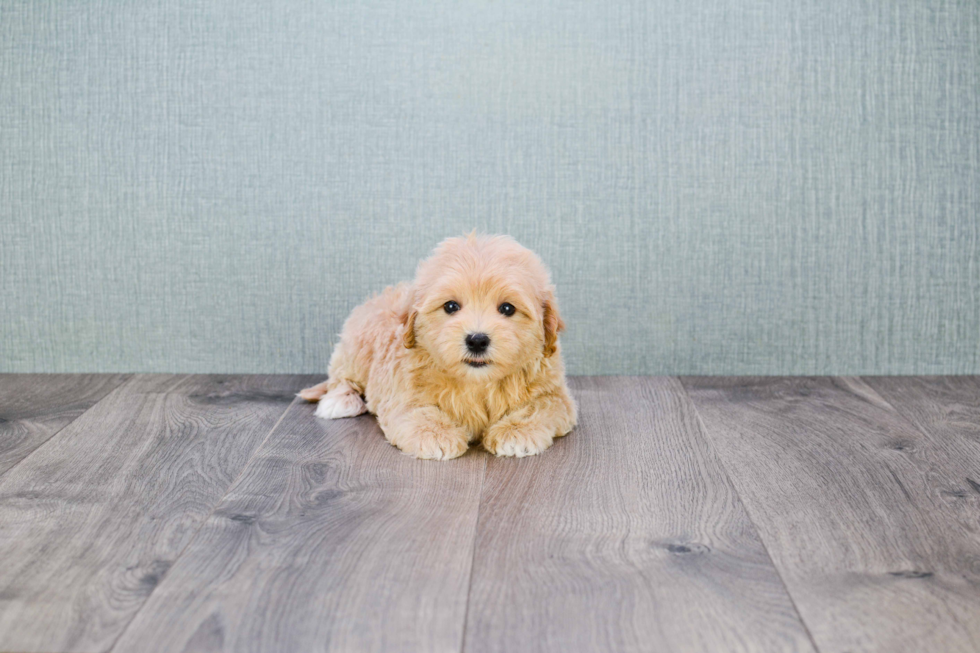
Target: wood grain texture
x: 331, y: 540
x: 93, y: 520
x: 33, y: 407
x: 947, y: 411
x: 854, y: 505
x: 625, y: 536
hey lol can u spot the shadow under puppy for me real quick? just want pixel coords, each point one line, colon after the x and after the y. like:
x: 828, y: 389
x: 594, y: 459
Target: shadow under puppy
x: 468, y: 351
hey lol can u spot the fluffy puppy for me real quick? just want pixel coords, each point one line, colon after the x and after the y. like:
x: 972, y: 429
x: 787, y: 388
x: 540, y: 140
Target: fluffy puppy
x: 467, y: 352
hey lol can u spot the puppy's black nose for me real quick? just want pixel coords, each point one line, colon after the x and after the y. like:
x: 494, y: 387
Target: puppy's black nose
x: 477, y: 342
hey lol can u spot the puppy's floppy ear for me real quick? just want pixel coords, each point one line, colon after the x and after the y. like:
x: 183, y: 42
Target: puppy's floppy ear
x: 553, y: 324
x: 408, y: 338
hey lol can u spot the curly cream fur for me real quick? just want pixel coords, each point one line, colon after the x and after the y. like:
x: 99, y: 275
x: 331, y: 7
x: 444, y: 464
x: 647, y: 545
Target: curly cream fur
x: 407, y: 356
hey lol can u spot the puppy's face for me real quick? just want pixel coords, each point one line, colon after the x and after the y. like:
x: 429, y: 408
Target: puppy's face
x: 483, y: 307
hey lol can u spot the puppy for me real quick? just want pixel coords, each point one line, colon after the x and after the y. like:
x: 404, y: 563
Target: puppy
x: 467, y: 352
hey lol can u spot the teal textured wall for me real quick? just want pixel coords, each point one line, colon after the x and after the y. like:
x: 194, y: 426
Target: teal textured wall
x: 783, y: 186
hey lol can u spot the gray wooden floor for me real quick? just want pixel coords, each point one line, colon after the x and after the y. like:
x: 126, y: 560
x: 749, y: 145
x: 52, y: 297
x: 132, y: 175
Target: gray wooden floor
x: 215, y: 513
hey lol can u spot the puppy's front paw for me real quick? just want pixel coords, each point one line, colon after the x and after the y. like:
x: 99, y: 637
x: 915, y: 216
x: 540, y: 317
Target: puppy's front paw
x: 517, y: 439
x: 435, y: 448
x: 428, y: 434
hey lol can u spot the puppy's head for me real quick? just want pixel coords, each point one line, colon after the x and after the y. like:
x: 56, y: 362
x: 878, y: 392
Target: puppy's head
x: 483, y: 307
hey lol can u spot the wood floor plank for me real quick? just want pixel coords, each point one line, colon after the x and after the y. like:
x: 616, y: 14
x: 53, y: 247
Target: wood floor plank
x: 851, y: 501
x: 331, y: 540
x: 33, y: 407
x: 92, y: 521
x: 625, y: 536
x: 947, y: 410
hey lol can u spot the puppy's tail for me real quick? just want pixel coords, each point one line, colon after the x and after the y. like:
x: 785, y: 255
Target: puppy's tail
x: 314, y: 393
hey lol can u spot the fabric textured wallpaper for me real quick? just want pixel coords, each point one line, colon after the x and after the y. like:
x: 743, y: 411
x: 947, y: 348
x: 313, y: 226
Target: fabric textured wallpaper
x: 750, y: 187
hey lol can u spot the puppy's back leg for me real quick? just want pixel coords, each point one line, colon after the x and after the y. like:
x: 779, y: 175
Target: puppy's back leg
x: 338, y: 374
x: 340, y: 394
x: 343, y: 400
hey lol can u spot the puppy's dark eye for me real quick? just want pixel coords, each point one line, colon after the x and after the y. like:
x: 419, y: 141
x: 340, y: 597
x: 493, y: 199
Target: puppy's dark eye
x: 507, y: 309
x: 451, y: 307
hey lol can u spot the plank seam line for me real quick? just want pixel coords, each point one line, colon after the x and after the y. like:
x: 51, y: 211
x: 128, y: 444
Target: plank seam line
x: 703, y: 431
x: 204, y: 521
x: 921, y: 430
x: 72, y: 421
x: 476, y: 532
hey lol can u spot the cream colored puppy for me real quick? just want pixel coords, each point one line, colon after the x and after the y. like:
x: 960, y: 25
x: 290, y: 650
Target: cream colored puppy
x: 468, y: 351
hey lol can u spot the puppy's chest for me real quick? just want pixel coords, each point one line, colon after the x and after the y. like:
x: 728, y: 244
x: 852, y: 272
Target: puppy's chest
x: 474, y: 409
